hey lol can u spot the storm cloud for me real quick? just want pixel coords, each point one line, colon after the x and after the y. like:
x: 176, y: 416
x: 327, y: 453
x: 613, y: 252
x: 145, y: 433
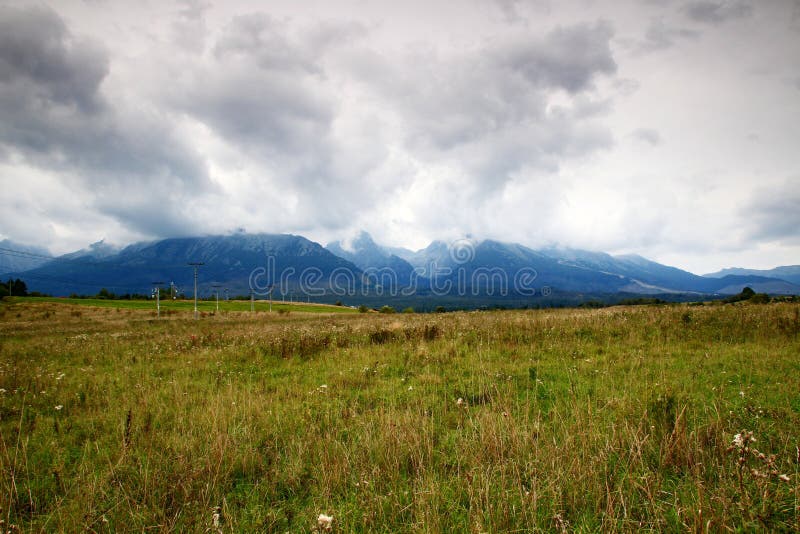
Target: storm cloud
x: 716, y: 12
x: 54, y: 115
x: 520, y: 120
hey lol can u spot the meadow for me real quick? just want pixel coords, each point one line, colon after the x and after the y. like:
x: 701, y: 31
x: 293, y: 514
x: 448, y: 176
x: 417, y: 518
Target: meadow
x: 645, y: 418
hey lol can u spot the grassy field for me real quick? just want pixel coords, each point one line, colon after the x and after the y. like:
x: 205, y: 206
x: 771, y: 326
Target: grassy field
x: 613, y: 420
x: 171, y: 307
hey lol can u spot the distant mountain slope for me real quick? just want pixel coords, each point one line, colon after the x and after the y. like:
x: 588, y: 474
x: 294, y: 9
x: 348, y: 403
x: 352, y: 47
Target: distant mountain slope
x: 98, y: 250
x: 650, y: 277
x: 731, y: 285
x: 229, y: 260
x: 16, y: 257
x: 386, y: 267
x: 484, y: 266
x: 551, y: 273
x: 790, y: 273
x: 463, y: 269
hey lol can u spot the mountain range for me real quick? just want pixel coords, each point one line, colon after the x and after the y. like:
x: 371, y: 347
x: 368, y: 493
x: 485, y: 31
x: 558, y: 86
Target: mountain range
x: 790, y: 273
x: 465, y: 273
x: 16, y: 257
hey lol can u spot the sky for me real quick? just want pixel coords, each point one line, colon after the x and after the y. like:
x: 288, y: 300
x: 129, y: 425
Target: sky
x: 669, y: 129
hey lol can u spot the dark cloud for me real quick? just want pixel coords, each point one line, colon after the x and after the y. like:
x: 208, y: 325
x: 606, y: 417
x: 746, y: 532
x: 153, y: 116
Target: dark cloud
x: 263, y: 87
x: 519, y: 11
x: 38, y: 55
x: 490, y: 112
x: 647, y: 135
x: 660, y: 36
x: 266, y: 90
x: 567, y: 58
x: 717, y: 12
x: 773, y: 213
x: 189, y: 26
x: 53, y: 113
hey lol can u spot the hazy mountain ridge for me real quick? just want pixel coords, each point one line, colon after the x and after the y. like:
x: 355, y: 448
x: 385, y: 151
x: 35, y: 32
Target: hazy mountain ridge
x: 790, y: 273
x: 228, y: 260
x: 372, y: 258
x: 16, y: 257
x: 465, y: 268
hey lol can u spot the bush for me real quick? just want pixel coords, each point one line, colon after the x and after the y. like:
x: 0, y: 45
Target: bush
x: 408, y: 310
x: 387, y: 309
x: 363, y: 309
x: 746, y: 294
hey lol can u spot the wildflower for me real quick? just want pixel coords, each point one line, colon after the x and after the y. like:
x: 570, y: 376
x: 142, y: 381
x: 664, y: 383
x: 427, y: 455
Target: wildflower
x: 410, y: 388
x: 741, y: 394
x: 216, y: 519
x: 460, y: 402
x: 2, y: 391
x: 785, y: 478
x: 325, y: 522
x: 59, y: 407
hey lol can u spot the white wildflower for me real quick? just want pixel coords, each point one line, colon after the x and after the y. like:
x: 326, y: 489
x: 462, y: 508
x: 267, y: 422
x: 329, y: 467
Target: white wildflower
x: 785, y: 478
x: 460, y: 402
x: 410, y: 388
x: 325, y: 522
x: 216, y: 519
x: 59, y: 407
x: 738, y: 440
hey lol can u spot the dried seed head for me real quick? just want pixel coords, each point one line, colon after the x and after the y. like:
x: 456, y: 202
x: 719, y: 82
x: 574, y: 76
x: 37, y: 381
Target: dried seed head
x: 325, y: 522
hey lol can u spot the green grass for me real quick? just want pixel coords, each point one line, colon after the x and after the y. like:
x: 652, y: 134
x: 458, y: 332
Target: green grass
x: 188, y: 305
x: 612, y: 420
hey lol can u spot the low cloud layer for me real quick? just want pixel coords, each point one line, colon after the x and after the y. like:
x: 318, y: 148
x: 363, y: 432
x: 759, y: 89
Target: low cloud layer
x: 525, y: 121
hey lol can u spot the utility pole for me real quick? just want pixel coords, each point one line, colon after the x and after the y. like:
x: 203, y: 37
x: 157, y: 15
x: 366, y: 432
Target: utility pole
x: 270, y: 297
x: 216, y: 292
x: 225, y: 289
x: 196, y: 265
x: 252, y: 301
x: 158, y: 297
